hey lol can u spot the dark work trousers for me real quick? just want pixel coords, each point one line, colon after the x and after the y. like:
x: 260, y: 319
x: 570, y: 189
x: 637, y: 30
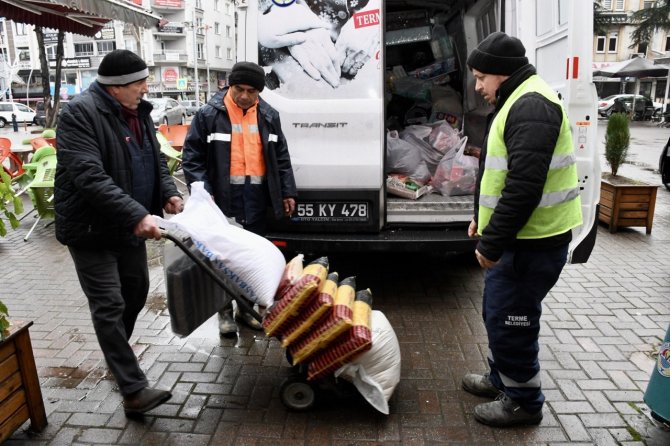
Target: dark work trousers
x: 116, y: 283
x: 513, y: 293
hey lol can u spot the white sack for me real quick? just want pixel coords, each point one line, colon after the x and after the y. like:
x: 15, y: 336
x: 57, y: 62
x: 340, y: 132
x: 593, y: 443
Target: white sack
x: 376, y: 372
x: 250, y: 261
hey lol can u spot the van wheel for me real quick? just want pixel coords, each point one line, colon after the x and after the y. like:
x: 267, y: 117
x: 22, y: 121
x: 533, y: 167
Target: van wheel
x: 3, y: 123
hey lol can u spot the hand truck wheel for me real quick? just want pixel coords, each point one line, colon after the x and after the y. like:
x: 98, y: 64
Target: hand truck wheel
x: 297, y: 394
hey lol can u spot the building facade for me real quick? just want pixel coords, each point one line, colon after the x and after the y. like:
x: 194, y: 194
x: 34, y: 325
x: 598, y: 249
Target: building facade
x: 191, y: 54
x: 614, y: 45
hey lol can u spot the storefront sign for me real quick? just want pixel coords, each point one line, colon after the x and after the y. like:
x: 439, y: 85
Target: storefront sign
x: 73, y: 62
x: 169, y: 75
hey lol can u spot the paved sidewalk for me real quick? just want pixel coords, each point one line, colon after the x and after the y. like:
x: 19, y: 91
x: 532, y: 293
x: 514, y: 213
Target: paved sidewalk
x: 603, y: 322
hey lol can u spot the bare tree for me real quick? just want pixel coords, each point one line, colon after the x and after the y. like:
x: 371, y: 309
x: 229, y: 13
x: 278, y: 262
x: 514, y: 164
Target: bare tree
x: 50, y: 109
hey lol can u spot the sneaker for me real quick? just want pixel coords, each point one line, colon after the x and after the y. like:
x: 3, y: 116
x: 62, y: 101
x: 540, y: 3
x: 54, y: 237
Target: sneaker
x: 227, y: 325
x: 480, y: 385
x: 504, y: 412
x: 248, y: 320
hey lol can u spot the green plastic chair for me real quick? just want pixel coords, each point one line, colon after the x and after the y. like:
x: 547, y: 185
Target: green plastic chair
x: 173, y: 156
x: 41, y: 188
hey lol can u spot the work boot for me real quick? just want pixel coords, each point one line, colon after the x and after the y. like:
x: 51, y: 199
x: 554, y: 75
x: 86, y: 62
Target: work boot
x: 248, y: 319
x: 227, y: 325
x: 144, y: 400
x: 505, y: 412
x: 479, y: 385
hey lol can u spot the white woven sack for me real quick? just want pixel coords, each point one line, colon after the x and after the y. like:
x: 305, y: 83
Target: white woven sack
x: 252, y: 262
x: 376, y: 372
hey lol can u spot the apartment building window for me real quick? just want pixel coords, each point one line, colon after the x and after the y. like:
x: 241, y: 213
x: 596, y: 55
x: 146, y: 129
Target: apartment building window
x: 51, y: 52
x: 618, y: 5
x: 217, y: 51
x: 642, y: 49
x: 667, y: 43
x: 228, y: 8
x: 21, y: 29
x: 612, y: 42
x: 217, y: 5
x: 229, y: 54
x: 200, y: 50
x: 228, y: 29
x: 131, y: 45
x: 83, y: 49
x: 106, y: 47
x: 23, y: 54
x: 198, y: 4
x: 600, y: 44
x: 217, y: 28
x: 607, y: 5
x: 649, y: 4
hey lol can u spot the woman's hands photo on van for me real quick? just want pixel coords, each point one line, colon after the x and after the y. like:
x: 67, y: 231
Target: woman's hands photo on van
x: 319, y: 35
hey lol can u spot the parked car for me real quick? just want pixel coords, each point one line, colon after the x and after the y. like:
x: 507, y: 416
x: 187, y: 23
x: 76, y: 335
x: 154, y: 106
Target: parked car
x: 167, y: 111
x: 191, y: 106
x: 22, y: 112
x: 664, y: 165
x: 41, y: 117
x: 605, y: 106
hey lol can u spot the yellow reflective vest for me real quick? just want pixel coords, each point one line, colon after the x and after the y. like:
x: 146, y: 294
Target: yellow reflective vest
x: 559, y: 209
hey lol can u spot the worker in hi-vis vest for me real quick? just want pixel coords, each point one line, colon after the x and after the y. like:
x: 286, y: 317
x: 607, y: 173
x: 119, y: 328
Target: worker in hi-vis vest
x: 526, y: 204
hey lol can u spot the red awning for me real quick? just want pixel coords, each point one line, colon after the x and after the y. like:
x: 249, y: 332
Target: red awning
x: 85, y: 17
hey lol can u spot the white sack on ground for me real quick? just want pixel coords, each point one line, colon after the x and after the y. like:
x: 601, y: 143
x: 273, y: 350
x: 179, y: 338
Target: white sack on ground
x: 376, y: 372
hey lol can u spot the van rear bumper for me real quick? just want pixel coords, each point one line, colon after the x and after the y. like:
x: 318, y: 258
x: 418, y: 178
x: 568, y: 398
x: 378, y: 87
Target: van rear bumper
x: 443, y: 241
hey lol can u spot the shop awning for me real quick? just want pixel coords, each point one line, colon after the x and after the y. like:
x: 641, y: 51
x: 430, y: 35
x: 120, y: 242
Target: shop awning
x: 85, y: 17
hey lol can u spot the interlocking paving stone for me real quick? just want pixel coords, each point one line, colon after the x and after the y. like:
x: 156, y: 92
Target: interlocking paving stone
x: 602, y: 322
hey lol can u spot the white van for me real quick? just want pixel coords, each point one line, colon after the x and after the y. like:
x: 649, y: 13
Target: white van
x: 336, y: 126
x: 23, y: 114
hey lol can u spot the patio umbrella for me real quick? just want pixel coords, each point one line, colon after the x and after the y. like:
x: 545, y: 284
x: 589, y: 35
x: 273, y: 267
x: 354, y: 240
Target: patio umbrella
x: 84, y: 17
x: 637, y: 68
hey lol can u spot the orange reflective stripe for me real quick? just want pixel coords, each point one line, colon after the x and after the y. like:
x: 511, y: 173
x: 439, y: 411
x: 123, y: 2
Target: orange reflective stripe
x: 246, y: 150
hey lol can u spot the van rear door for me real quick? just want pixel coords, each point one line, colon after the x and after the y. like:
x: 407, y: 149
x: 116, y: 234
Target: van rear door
x: 557, y: 42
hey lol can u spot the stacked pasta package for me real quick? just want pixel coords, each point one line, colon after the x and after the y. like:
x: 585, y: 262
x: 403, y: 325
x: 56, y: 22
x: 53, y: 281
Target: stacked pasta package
x: 321, y: 322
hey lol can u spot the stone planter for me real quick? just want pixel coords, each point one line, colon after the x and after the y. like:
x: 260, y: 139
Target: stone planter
x: 20, y: 393
x: 626, y: 203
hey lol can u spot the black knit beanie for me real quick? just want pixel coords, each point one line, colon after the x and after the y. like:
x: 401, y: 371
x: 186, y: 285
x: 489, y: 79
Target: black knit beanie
x: 121, y: 67
x: 498, y: 54
x: 247, y: 73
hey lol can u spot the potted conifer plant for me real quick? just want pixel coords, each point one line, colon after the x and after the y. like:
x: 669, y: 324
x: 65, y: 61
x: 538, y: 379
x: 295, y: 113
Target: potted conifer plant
x: 624, y: 202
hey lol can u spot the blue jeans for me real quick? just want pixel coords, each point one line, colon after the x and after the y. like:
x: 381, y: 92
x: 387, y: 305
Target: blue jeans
x: 513, y: 294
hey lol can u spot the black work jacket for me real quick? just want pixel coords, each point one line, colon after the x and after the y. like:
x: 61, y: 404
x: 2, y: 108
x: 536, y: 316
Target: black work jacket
x: 531, y: 132
x: 94, y: 179
x: 207, y: 159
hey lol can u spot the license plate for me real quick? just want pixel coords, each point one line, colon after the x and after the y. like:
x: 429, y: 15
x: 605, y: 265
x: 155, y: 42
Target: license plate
x: 331, y: 212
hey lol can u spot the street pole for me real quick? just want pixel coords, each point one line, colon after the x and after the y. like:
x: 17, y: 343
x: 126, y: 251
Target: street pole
x: 209, y: 81
x: 8, y: 61
x: 195, y: 58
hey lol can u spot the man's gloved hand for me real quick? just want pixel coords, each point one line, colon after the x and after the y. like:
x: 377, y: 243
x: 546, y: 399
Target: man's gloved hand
x: 286, y: 26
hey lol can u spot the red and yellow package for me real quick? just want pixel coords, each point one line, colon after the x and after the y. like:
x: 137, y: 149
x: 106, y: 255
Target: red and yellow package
x: 336, y: 323
x: 287, y: 307
x: 354, y: 341
x: 315, y: 308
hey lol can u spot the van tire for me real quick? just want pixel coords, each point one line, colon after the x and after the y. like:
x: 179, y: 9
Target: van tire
x: 3, y: 123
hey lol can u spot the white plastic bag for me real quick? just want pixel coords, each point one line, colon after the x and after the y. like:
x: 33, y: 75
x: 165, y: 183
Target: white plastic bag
x: 376, y: 372
x: 405, y: 158
x: 252, y: 262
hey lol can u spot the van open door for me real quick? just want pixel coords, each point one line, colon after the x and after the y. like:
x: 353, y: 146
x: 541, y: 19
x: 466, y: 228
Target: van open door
x: 557, y: 42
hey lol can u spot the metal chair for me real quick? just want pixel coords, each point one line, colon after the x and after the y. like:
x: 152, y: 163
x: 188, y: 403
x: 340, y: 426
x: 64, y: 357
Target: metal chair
x: 175, y: 134
x: 10, y: 161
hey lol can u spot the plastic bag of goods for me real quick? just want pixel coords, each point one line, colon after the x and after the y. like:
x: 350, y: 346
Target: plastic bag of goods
x: 246, y: 259
x: 289, y: 303
x: 405, y: 158
x: 376, y: 372
x: 292, y: 273
x: 337, y: 322
x: 315, y: 308
x: 353, y: 342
